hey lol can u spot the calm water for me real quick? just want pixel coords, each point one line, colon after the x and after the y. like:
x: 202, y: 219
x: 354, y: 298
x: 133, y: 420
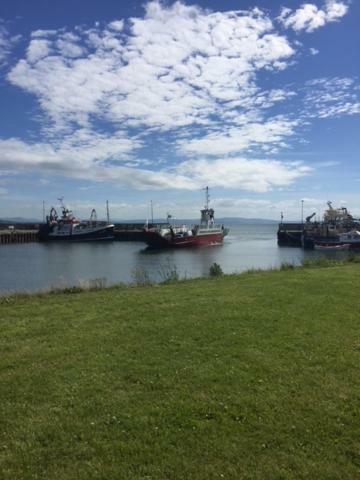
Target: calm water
x: 36, y: 266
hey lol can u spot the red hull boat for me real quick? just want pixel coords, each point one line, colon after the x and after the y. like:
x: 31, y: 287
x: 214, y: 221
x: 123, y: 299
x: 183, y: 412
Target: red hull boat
x: 204, y: 234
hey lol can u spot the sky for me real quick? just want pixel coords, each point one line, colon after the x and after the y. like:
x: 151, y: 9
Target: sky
x: 137, y: 102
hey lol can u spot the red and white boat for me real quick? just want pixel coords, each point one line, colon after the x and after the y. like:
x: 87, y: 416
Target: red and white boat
x: 352, y: 238
x: 331, y: 248
x: 343, y: 241
x: 177, y: 236
x: 68, y: 228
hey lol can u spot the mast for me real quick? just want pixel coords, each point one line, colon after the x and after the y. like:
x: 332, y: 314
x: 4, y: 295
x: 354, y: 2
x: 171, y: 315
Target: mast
x: 302, y: 212
x: 207, y: 198
x: 152, y: 212
x: 107, y: 212
x: 207, y: 214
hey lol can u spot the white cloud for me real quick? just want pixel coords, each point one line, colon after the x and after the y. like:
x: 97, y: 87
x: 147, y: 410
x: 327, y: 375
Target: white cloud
x: 257, y: 208
x: 326, y: 164
x: 38, y: 49
x: 176, y: 67
x: 243, y: 203
x: 117, y: 25
x: 309, y: 17
x: 76, y: 153
x: 335, y: 10
x: 252, y: 175
x: 43, y: 33
x: 6, y: 41
x: 89, y: 159
x: 86, y: 157
x: 68, y: 46
x: 314, y: 51
x: 332, y: 97
x: 181, y: 70
x: 268, y: 134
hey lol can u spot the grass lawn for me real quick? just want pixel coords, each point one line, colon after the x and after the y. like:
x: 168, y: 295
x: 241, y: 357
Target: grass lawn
x: 254, y: 376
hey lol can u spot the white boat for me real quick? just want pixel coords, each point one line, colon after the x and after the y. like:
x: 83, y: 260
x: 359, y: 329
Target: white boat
x: 352, y: 238
x: 343, y: 241
x: 68, y: 228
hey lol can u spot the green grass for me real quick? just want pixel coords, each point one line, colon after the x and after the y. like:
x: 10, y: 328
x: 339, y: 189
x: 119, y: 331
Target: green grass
x: 254, y: 376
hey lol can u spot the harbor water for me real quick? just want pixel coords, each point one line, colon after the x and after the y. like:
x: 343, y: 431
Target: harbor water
x: 40, y: 266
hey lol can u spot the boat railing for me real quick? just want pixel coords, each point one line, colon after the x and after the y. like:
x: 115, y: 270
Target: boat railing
x: 210, y: 227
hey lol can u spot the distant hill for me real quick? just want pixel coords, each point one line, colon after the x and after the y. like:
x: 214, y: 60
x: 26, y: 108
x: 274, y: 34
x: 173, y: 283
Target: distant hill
x: 246, y: 221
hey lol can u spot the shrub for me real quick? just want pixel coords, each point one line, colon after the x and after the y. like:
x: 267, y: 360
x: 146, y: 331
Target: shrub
x: 287, y: 266
x: 215, y: 270
x: 353, y: 258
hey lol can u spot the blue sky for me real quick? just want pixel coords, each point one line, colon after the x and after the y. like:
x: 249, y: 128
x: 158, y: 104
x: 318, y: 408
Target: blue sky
x: 133, y: 101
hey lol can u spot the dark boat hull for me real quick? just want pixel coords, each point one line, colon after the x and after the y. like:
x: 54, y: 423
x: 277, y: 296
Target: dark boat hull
x: 104, y: 234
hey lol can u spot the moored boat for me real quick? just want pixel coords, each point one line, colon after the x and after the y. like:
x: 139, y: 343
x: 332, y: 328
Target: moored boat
x: 68, y: 228
x: 331, y: 248
x: 344, y: 241
x: 205, y: 233
x: 336, y: 223
x: 352, y: 238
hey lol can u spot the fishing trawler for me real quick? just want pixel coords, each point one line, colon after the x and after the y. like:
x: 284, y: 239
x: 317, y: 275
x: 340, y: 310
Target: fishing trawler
x: 67, y: 227
x: 179, y: 236
x: 337, y: 226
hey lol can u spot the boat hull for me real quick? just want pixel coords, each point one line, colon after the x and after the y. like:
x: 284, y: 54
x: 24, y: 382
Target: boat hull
x: 155, y: 240
x: 332, y: 248
x: 101, y: 234
x: 337, y: 245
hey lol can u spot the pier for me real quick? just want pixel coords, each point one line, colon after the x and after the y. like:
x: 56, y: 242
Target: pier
x: 305, y: 234
x: 18, y: 236
x: 290, y: 234
x: 25, y: 233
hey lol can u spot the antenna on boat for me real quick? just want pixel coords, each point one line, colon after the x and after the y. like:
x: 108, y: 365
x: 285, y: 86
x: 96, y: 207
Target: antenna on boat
x: 302, y: 211
x: 152, y: 211
x: 107, y: 211
x: 207, y: 197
